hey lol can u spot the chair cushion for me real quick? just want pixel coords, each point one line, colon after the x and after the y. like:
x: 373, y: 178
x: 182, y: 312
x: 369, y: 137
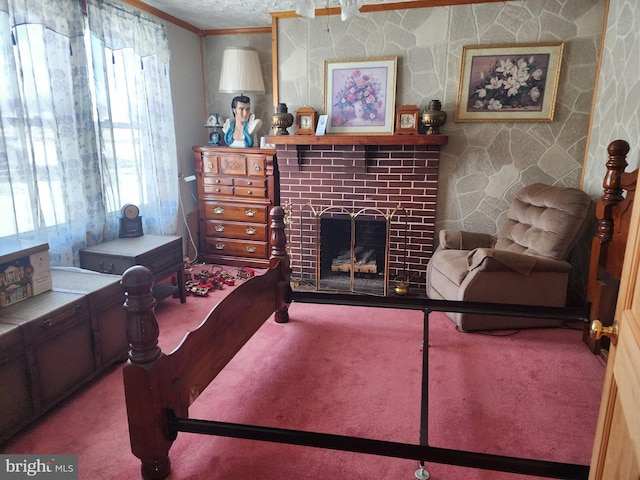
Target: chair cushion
x: 545, y: 220
x: 452, y: 264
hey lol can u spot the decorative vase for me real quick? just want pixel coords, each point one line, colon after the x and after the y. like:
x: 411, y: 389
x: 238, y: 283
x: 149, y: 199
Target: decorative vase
x: 281, y: 120
x: 402, y: 288
x: 359, y: 111
x: 433, y: 117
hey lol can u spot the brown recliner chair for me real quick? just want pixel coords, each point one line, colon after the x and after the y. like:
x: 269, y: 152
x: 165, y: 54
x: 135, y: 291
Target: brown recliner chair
x: 525, y: 264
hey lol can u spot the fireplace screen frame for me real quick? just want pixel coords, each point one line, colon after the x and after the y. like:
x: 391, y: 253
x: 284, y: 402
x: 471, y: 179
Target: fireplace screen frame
x: 317, y: 214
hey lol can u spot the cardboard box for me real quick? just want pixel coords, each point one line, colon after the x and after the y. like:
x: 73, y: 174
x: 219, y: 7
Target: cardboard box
x: 25, y: 270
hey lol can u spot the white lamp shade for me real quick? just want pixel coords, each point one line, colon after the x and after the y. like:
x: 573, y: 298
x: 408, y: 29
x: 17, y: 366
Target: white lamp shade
x: 241, y: 71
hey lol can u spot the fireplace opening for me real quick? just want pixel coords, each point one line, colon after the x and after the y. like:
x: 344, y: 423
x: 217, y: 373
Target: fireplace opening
x: 348, y: 251
x: 357, y: 245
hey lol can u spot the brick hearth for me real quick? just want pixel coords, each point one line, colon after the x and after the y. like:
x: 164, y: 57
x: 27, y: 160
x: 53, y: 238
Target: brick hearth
x: 356, y: 176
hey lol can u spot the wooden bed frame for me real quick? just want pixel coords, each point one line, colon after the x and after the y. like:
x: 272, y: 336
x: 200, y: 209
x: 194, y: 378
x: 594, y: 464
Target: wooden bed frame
x: 613, y: 212
x: 159, y: 388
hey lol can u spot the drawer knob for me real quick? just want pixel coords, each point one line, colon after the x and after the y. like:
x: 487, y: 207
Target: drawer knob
x: 210, y: 165
x: 217, y: 180
x: 219, y: 228
x: 256, y: 167
x: 251, y: 249
x: 249, y: 182
x: 249, y: 192
x: 250, y: 213
x: 250, y: 231
x: 218, y: 210
x: 220, y: 246
x: 217, y: 190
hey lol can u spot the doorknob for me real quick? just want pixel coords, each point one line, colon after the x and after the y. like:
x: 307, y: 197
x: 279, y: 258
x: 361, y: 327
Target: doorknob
x: 598, y: 330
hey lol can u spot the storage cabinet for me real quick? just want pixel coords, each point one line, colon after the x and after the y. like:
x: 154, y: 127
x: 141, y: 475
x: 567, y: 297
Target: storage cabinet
x: 55, y: 342
x: 161, y: 254
x: 236, y: 189
x: 16, y: 401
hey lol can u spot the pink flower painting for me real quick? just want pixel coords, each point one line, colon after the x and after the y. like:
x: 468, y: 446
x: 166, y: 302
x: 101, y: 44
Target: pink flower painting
x: 359, y: 96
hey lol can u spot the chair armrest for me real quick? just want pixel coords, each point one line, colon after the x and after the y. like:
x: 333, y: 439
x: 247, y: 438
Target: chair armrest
x: 490, y: 259
x: 461, y: 240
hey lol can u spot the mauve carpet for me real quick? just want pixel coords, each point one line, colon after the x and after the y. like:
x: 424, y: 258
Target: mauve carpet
x: 352, y: 371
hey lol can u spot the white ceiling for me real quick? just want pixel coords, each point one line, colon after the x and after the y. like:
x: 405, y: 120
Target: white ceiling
x: 221, y: 14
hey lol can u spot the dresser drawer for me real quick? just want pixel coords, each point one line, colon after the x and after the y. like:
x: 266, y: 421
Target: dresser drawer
x: 247, y: 231
x: 250, y: 192
x: 242, y: 213
x: 250, y: 182
x: 210, y: 180
x: 106, y: 263
x: 206, y: 163
x: 240, y: 248
x: 231, y: 164
x: 218, y: 189
x: 256, y: 166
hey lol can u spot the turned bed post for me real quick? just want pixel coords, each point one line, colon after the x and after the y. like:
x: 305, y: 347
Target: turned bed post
x: 151, y: 378
x: 147, y: 422
x: 604, y: 271
x: 279, y: 253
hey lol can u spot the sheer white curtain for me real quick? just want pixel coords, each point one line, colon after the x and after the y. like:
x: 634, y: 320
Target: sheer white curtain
x: 136, y: 132
x: 69, y: 158
x: 46, y: 130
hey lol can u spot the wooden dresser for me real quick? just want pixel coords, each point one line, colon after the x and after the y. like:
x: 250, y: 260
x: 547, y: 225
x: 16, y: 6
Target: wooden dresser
x: 237, y: 187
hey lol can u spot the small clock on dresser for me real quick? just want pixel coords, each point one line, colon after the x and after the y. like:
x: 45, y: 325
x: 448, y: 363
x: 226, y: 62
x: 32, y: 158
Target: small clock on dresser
x: 407, y: 120
x: 306, y: 120
x: 130, y: 221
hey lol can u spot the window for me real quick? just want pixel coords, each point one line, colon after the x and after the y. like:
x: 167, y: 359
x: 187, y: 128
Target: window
x: 86, y: 123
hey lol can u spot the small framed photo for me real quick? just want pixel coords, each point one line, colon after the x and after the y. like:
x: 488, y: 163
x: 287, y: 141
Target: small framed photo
x: 509, y: 83
x: 321, y: 129
x: 359, y: 95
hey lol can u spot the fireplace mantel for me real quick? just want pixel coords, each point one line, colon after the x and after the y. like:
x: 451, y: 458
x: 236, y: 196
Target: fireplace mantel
x: 343, y: 139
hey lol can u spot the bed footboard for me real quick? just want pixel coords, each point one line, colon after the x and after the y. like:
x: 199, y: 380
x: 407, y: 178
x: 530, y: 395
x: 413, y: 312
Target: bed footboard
x: 155, y: 382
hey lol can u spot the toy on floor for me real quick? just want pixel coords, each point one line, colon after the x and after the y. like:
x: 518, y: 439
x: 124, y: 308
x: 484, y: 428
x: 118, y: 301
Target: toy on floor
x: 200, y: 283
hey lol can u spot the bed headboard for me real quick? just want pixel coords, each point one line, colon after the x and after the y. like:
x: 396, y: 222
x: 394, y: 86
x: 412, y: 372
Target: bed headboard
x: 613, y: 212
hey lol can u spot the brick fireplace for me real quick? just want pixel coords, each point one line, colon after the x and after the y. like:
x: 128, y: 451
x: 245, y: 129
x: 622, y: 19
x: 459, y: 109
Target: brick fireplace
x: 394, y: 178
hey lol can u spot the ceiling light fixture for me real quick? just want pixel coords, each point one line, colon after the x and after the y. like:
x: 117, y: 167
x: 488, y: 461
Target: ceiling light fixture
x: 306, y: 8
x: 348, y: 8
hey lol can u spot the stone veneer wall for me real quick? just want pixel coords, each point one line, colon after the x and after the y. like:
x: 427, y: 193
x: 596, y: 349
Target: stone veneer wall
x: 355, y: 177
x: 616, y: 113
x: 484, y: 163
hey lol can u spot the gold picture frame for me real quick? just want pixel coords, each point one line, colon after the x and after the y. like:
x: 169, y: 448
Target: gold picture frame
x: 509, y: 83
x: 360, y: 95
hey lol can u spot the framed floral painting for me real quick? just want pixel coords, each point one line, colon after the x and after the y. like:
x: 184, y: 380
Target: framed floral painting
x: 360, y: 95
x: 509, y: 83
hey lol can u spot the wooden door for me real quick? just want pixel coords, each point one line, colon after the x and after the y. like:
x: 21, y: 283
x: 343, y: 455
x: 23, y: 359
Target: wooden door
x: 616, y: 452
